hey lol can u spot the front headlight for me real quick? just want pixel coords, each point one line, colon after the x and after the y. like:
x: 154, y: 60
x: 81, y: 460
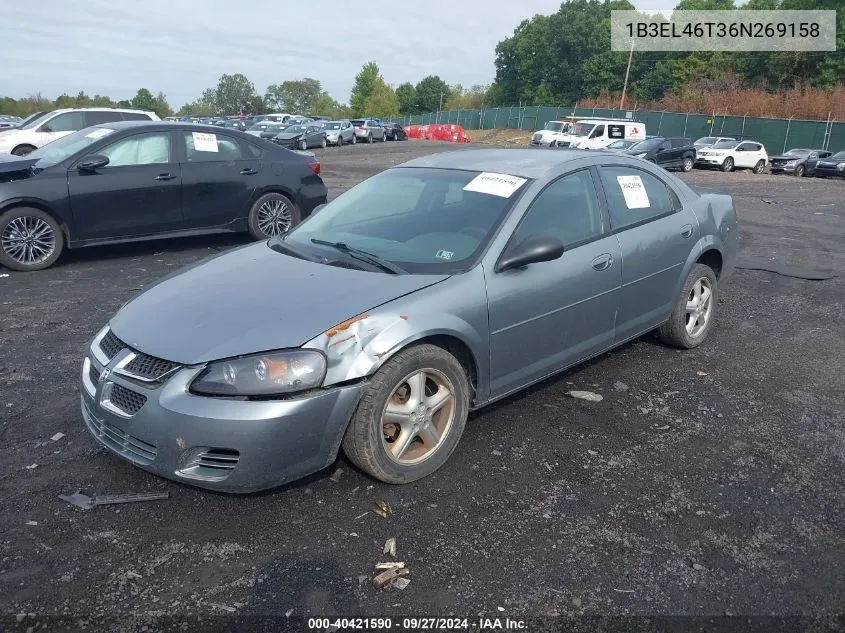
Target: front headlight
x: 840, y: 166
x: 262, y: 374
x: 643, y: 155
x: 791, y: 162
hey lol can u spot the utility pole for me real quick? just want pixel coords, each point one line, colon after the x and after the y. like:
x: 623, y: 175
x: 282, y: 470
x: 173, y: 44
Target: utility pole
x: 627, y: 72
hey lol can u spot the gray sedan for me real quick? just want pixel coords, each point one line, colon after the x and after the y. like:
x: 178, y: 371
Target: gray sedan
x: 375, y: 326
x: 339, y: 132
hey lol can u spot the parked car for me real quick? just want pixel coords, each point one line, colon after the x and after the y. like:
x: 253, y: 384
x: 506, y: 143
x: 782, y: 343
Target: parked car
x: 8, y: 121
x: 299, y: 120
x: 395, y: 132
x: 266, y: 129
x: 551, y: 132
x: 131, y: 180
x: 59, y: 123
x: 25, y: 121
x: 798, y: 162
x: 832, y: 166
x: 339, y: 132
x: 730, y: 155
x: 236, y: 124
x: 301, y: 136
x: 710, y: 141
x: 429, y: 290
x: 368, y: 130
x: 674, y: 152
x: 599, y: 133
x: 621, y: 145
x: 276, y: 117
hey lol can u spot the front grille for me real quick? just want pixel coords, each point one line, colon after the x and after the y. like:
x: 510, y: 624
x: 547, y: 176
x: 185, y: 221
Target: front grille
x: 209, y: 464
x: 150, y: 367
x: 93, y: 374
x: 111, y: 345
x: 121, y: 442
x: 126, y: 399
x: 563, y: 143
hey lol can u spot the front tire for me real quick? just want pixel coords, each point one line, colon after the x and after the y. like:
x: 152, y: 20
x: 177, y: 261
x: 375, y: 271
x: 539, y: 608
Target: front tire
x: 30, y: 239
x: 411, y: 416
x: 370, y: 138
x: 694, y: 312
x: 800, y: 171
x: 23, y: 150
x: 323, y: 143
x: 340, y: 140
x: 728, y: 165
x: 688, y: 163
x: 759, y: 167
x: 271, y: 215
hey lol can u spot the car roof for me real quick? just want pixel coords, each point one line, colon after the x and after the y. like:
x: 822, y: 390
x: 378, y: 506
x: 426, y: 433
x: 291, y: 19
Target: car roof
x: 528, y: 163
x: 62, y: 110
x: 164, y: 125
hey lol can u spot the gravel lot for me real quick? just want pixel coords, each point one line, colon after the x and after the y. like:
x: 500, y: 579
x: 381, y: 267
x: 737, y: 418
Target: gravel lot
x: 706, y: 482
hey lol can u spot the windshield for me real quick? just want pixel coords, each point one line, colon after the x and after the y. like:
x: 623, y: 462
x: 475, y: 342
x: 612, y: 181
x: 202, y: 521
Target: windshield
x: 706, y: 140
x: 583, y: 129
x: 726, y: 144
x: 553, y: 126
x: 421, y: 219
x: 294, y: 129
x: 647, y: 146
x: 63, y: 148
x: 620, y: 144
x: 34, y: 121
x: 797, y: 152
x: 333, y: 126
x: 836, y: 156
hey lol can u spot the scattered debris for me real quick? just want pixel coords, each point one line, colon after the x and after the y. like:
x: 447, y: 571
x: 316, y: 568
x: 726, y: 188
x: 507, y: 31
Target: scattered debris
x: 701, y: 373
x: 623, y: 590
x: 401, y: 583
x: 224, y: 607
x: 390, y: 565
x: 362, y: 580
x: 383, y: 509
x: 496, y: 453
x: 592, y: 452
x: 336, y: 475
x: 662, y: 428
x: 355, y: 534
x: 500, y: 608
x: 360, y: 516
x: 57, y: 436
x: 4, y: 275
x: 585, y: 395
x: 86, y: 503
x: 620, y: 386
x: 32, y: 522
x: 697, y: 566
x: 767, y: 201
x: 576, y: 602
x: 388, y: 576
x: 289, y: 612
x: 32, y: 467
x: 390, y: 546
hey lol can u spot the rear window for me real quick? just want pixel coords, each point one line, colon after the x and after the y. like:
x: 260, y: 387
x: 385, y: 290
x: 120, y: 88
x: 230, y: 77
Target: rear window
x: 358, y: 122
x: 136, y: 116
x: 681, y: 142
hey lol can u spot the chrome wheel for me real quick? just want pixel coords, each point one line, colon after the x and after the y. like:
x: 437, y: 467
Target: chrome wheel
x: 28, y: 240
x: 274, y: 217
x: 699, y: 307
x: 418, y: 416
x: 688, y: 164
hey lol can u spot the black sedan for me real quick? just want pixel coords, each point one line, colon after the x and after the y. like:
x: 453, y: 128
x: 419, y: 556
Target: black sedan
x: 128, y: 181
x: 832, y: 166
x: 798, y: 162
x: 301, y: 136
x: 394, y: 132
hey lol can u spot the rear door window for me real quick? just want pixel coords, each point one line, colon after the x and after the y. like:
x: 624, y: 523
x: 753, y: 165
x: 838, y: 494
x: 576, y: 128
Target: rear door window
x: 634, y: 196
x: 98, y: 118
x: 65, y: 122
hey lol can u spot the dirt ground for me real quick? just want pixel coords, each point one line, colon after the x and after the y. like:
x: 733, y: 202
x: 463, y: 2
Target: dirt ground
x: 707, y: 482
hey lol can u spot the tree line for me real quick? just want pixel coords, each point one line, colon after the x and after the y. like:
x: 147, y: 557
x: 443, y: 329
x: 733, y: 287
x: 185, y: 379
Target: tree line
x: 551, y: 60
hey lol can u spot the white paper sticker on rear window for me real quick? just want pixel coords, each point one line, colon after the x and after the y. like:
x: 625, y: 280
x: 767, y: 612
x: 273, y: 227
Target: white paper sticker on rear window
x: 634, y: 192
x: 204, y: 142
x: 99, y: 132
x: 501, y: 185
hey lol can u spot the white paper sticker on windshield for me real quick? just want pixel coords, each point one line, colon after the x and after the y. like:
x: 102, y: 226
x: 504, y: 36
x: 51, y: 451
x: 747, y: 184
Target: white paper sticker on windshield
x: 501, y: 185
x: 100, y: 132
x: 441, y: 254
x: 634, y: 192
x: 204, y: 142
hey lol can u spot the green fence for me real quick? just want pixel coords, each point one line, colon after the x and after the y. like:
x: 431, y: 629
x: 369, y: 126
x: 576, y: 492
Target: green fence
x: 776, y: 134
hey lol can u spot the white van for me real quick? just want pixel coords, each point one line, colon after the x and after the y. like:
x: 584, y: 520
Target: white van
x: 276, y: 117
x: 599, y: 133
x: 59, y: 123
x: 552, y: 131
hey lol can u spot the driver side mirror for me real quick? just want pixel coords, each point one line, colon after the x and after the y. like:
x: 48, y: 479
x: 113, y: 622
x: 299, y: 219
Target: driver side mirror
x: 532, y: 250
x: 93, y: 163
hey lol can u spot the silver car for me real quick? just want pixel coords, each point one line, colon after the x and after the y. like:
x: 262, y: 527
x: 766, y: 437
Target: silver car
x: 429, y: 290
x: 339, y: 132
x: 367, y: 130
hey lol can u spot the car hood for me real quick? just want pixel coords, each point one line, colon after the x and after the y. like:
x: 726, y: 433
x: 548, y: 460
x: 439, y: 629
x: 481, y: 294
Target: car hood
x: 11, y: 163
x: 783, y: 157
x: 250, y: 300
x: 288, y: 136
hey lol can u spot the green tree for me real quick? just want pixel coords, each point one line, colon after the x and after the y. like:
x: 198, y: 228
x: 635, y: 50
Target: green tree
x: 365, y: 82
x: 144, y: 100
x: 235, y: 94
x: 326, y: 106
x: 295, y: 96
x: 431, y: 92
x: 543, y: 96
x: 407, y: 98
x: 382, y: 102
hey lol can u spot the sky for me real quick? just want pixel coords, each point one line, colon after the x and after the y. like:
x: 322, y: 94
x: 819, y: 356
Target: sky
x: 115, y: 47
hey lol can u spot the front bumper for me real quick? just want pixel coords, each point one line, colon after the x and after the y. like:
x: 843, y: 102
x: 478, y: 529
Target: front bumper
x: 782, y: 169
x: 233, y: 446
x: 709, y: 161
x: 831, y: 173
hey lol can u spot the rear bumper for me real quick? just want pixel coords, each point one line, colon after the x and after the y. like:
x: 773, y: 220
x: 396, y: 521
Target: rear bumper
x: 832, y: 173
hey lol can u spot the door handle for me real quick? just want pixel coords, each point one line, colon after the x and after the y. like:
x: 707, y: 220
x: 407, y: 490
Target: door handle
x: 165, y: 177
x: 686, y: 230
x: 603, y: 262
x: 249, y: 171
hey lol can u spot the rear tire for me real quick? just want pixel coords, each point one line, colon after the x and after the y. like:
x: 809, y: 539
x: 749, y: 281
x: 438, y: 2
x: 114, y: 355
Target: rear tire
x: 271, y: 215
x: 354, y: 139
x: 759, y: 167
x: 30, y: 239
x: 303, y: 145
x: 677, y: 331
x: 370, y: 439
x: 688, y: 163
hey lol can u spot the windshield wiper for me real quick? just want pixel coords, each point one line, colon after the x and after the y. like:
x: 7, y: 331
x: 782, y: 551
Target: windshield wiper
x: 364, y: 256
x: 278, y: 244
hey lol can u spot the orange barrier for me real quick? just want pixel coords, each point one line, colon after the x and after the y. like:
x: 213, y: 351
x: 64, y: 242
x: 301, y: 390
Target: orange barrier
x: 438, y: 132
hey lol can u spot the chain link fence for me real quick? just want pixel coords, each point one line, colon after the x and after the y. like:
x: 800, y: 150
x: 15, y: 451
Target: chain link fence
x: 777, y: 135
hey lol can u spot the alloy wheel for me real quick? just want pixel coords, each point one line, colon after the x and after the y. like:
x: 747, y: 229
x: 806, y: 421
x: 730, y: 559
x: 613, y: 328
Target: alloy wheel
x: 28, y: 240
x: 418, y: 416
x: 274, y: 218
x: 699, y: 307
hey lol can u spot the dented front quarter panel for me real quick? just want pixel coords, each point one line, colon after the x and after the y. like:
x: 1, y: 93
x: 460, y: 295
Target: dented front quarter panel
x: 456, y: 307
